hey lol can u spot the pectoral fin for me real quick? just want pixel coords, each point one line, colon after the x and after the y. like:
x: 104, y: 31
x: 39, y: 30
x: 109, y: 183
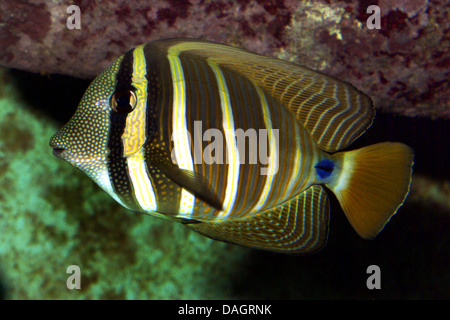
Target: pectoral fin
x: 191, y: 181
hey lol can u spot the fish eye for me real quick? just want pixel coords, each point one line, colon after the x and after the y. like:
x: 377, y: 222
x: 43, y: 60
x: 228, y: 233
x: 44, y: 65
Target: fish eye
x: 123, y: 102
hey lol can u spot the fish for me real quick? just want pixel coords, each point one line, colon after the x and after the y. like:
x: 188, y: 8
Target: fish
x: 237, y: 146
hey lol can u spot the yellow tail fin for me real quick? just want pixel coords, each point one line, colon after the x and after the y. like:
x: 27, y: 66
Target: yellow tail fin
x: 372, y: 184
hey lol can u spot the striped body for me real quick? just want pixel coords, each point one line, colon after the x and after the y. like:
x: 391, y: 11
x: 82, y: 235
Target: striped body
x: 233, y: 144
x: 195, y: 96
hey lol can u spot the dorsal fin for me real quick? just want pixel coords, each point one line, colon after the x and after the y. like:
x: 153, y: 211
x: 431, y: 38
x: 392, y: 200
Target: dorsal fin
x: 298, y: 226
x: 334, y: 112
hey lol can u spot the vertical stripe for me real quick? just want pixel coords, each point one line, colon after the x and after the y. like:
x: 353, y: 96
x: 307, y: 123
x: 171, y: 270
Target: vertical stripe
x: 135, y: 136
x: 232, y: 151
x: 180, y: 135
x: 117, y: 164
x: 102, y: 178
x: 285, y: 121
x: 306, y: 147
x: 144, y: 192
x: 249, y: 119
x: 158, y: 127
x: 273, y: 157
x: 295, y: 163
x: 203, y: 112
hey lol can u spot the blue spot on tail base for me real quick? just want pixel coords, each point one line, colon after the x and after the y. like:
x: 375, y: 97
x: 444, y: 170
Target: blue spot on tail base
x: 324, y: 168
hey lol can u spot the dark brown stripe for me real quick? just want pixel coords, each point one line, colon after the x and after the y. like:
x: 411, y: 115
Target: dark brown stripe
x: 159, y: 125
x: 117, y: 164
x: 281, y: 119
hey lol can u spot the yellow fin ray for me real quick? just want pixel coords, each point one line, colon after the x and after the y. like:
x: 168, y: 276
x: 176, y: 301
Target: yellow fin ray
x: 298, y: 226
x: 373, y: 184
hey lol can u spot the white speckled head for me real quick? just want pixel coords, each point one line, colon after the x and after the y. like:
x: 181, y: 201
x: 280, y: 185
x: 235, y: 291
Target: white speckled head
x: 83, y: 141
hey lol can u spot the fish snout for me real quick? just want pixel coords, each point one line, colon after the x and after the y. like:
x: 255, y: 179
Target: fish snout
x: 57, y: 145
x: 57, y: 151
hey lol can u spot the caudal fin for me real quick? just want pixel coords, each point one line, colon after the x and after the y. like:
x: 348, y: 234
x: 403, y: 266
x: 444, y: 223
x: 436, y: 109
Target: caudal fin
x: 372, y: 184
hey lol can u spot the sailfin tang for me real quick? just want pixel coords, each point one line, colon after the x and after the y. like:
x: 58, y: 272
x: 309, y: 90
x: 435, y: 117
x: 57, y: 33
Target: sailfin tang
x: 296, y: 227
x: 373, y: 183
x: 334, y: 112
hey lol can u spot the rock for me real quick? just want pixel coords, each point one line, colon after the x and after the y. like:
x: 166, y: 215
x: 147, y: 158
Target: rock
x: 35, y: 36
x: 404, y: 66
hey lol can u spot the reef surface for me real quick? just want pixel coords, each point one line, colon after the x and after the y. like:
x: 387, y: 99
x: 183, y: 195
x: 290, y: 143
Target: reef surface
x: 403, y: 66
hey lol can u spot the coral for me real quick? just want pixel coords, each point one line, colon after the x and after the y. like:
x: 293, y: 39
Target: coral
x: 404, y: 66
x: 109, y: 28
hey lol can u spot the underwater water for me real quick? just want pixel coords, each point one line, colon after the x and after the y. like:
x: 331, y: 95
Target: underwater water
x: 52, y: 216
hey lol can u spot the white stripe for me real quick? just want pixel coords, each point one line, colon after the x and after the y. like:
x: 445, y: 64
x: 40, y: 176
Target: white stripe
x: 143, y: 189
x: 180, y: 134
x: 101, y: 177
x: 273, y: 158
x: 296, y: 163
x: 135, y: 130
x: 231, y: 143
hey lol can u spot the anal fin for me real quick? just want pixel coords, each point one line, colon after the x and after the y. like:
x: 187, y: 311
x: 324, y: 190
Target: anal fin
x: 298, y: 226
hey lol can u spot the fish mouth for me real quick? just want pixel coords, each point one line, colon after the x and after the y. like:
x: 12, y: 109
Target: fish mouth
x: 57, y: 151
x: 57, y: 148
